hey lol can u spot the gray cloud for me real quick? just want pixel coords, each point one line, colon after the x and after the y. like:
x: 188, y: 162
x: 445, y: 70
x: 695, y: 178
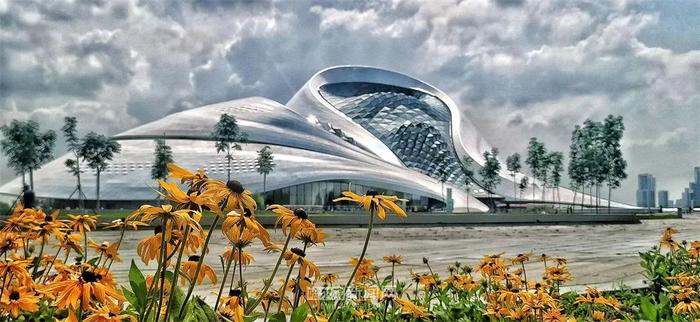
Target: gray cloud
x: 519, y: 68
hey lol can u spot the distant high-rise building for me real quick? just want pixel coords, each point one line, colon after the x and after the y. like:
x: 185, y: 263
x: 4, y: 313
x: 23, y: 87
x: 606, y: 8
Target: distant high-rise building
x: 663, y: 199
x: 686, y: 198
x: 671, y: 204
x: 646, y: 190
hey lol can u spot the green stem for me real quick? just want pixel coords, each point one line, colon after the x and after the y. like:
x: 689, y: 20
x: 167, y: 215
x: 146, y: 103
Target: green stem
x: 359, y: 262
x: 176, y: 271
x: 161, y: 274
x: 240, y: 275
x: 223, y: 281
x: 41, y: 253
x: 152, y: 288
x: 284, y: 287
x: 272, y: 277
x: 297, y: 289
x: 199, y: 266
x: 119, y: 243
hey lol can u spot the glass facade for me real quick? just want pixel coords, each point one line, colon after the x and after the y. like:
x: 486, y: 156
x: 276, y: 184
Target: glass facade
x: 413, y: 124
x: 321, y: 194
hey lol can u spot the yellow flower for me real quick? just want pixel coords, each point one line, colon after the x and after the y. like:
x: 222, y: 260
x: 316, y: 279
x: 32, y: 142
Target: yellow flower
x: 231, y: 195
x: 82, y: 223
x: 91, y: 286
x: 17, y: 268
x: 109, y: 313
x: 362, y: 314
x: 598, y: 315
x: 194, y: 180
x: 521, y: 258
x: 558, y: 274
x: 393, y: 259
x: 245, y: 257
x: 189, y: 268
x: 106, y: 249
x: 407, y: 307
x: 16, y: 300
x: 686, y: 306
x: 329, y: 278
x: 179, y: 219
x: 192, y: 200
x: 291, y: 220
x: 381, y: 202
x: 306, y: 267
x: 234, y: 222
x: 231, y: 308
x: 124, y: 223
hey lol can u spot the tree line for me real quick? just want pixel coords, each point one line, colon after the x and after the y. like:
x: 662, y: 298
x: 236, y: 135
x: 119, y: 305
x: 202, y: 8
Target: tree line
x: 595, y: 160
x: 27, y: 148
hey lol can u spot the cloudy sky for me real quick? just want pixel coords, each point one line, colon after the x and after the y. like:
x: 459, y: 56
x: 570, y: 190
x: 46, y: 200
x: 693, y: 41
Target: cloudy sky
x: 520, y: 68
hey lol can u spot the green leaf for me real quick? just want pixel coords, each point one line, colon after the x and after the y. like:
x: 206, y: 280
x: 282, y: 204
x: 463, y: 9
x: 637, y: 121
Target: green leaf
x: 198, y: 311
x: 299, y: 314
x: 130, y: 296
x: 278, y: 317
x: 648, y: 309
x: 138, y: 285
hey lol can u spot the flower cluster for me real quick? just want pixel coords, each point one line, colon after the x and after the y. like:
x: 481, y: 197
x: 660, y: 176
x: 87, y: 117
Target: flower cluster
x: 39, y: 275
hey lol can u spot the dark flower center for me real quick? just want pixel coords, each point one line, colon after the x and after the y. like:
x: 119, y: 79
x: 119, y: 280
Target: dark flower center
x: 687, y: 300
x: 371, y: 193
x: 14, y: 296
x: 298, y: 251
x: 234, y: 292
x: 89, y: 277
x: 235, y: 186
x: 301, y: 213
x: 193, y: 258
x: 157, y: 230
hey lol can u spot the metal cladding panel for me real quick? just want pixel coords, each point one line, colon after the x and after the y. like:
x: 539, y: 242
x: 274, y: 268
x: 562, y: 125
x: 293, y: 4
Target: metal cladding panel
x: 128, y: 174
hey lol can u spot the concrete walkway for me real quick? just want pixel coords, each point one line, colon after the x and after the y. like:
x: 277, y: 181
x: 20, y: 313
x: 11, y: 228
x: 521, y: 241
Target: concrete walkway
x: 599, y: 255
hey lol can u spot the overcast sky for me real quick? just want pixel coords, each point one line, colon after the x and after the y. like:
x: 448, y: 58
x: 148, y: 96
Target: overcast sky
x: 520, y: 68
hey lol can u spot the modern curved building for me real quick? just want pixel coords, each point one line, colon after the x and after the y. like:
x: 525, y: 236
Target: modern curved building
x: 348, y: 128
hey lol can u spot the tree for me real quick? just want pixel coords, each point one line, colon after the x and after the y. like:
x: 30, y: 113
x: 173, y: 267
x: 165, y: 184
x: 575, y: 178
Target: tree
x: 265, y: 164
x: 96, y: 150
x: 162, y: 155
x: 577, y: 169
x: 613, y: 128
x: 536, y: 159
x: 26, y: 148
x: 594, y: 159
x: 469, y: 175
x: 70, y: 132
x: 227, y: 134
x: 489, y: 173
x: 556, y: 164
x: 524, y: 182
x: 513, y: 166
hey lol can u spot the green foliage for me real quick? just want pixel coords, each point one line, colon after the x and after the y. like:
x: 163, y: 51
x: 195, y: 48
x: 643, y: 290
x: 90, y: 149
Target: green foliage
x: 227, y: 134
x: 162, y: 155
x: 264, y: 161
x: 97, y: 150
x: 138, y: 288
x: 25, y: 147
x: 489, y: 172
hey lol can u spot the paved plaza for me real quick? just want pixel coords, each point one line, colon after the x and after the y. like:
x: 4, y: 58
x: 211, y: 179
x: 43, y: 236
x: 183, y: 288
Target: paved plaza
x: 599, y: 255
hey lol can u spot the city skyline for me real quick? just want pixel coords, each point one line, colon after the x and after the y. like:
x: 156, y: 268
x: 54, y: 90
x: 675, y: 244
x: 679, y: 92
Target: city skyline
x: 518, y: 68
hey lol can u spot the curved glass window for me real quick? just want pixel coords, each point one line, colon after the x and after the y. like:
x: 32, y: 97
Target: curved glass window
x: 413, y: 124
